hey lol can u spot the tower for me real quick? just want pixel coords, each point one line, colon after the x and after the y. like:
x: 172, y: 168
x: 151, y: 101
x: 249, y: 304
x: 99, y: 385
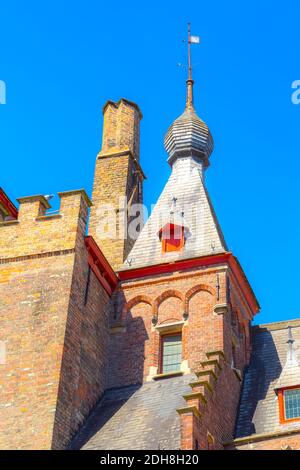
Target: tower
x: 118, y: 180
x: 184, y: 307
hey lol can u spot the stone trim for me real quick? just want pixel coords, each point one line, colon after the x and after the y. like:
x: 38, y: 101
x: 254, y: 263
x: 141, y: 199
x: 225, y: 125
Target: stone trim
x: 9, y: 222
x: 163, y: 279
x: 203, y: 383
x: 237, y: 373
x: 211, y: 362
x: 49, y: 217
x: 170, y: 327
x: 117, y: 104
x: 7, y: 205
x: 199, y: 395
x: 100, y: 266
x: 74, y: 192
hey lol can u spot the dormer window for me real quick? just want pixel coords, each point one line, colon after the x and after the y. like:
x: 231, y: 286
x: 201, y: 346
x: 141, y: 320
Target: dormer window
x: 289, y: 404
x: 172, y: 238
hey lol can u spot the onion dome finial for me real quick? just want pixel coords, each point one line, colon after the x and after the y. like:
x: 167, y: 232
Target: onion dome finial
x: 189, y: 135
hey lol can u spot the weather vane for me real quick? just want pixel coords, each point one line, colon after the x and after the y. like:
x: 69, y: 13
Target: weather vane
x: 190, y: 82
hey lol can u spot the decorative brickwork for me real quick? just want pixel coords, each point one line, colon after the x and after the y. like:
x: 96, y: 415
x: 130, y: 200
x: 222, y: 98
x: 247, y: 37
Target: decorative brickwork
x: 189, y: 297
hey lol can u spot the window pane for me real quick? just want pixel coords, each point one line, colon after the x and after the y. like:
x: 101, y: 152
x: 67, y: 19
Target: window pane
x: 171, y: 353
x: 292, y: 403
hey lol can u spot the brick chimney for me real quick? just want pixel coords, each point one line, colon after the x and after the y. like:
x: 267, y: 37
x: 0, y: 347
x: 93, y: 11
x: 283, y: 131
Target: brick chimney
x: 118, y: 180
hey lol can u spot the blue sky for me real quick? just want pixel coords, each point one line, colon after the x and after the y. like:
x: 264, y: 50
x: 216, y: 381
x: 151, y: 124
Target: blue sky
x: 62, y: 60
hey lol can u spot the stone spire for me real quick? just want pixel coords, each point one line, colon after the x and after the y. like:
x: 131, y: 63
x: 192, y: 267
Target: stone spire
x: 290, y: 374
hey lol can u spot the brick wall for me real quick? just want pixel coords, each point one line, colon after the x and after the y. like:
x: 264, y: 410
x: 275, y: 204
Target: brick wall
x: 55, y: 348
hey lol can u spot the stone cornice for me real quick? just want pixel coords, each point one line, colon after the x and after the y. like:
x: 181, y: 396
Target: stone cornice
x: 37, y: 197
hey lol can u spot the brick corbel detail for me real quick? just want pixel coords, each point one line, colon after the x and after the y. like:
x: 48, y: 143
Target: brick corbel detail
x: 165, y: 295
x: 135, y: 301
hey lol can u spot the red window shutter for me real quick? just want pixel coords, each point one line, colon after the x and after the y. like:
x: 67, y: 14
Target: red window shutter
x: 172, y: 238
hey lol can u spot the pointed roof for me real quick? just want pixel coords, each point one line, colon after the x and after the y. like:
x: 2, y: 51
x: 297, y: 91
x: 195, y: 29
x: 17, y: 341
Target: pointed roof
x: 204, y: 235
x: 173, y: 219
x: 290, y: 374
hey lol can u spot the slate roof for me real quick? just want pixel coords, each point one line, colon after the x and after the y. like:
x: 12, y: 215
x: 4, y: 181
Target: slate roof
x: 205, y: 237
x: 290, y: 374
x: 136, y: 417
x: 259, y: 410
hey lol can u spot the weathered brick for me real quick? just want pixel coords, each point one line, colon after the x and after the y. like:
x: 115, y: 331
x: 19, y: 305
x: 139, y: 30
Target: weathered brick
x: 56, y: 358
